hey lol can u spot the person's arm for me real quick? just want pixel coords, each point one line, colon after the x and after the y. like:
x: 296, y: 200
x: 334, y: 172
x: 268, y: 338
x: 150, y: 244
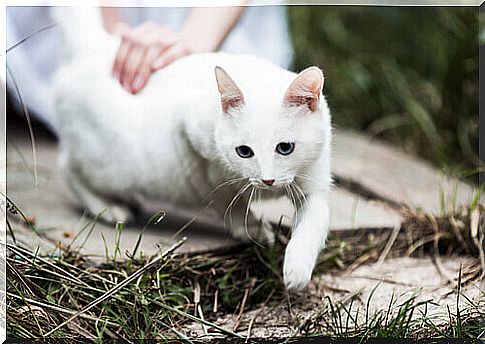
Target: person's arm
x: 150, y: 47
x: 206, y: 28
x: 111, y: 19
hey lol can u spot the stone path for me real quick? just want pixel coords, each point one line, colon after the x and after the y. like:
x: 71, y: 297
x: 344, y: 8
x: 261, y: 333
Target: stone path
x: 395, y: 176
x: 375, y: 182
x: 382, y: 172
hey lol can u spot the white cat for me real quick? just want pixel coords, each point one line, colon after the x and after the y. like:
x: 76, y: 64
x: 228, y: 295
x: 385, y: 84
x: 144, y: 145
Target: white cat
x: 218, y: 125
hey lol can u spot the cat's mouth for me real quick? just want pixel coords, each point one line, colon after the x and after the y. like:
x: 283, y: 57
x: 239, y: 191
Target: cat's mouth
x: 270, y: 184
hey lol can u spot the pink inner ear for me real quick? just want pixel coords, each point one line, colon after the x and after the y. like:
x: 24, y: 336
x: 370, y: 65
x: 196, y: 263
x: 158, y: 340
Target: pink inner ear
x: 310, y: 101
x: 305, y: 89
x: 231, y: 95
x: 229, y: 103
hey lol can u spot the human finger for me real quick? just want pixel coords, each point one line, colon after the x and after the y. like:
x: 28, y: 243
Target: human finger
x: 143, y: 70
x: 119, y: 58
x: 168, y: 56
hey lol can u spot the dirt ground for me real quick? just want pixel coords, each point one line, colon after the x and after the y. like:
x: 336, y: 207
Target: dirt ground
x: 394, y: 281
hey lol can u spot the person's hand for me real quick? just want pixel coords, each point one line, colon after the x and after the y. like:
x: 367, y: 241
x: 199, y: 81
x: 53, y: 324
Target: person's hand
x: 144, y: 49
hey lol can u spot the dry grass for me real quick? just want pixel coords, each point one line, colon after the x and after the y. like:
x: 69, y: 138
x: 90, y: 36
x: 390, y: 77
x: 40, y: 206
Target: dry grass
x: 140, y: 299
x: 420, y: 234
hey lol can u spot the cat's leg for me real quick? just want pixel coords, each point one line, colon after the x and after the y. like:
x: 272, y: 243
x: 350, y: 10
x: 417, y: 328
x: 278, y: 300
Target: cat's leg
x: 307, y: 239
x: 267, y: 232
x: 95, y: 203
x: 252, y: 229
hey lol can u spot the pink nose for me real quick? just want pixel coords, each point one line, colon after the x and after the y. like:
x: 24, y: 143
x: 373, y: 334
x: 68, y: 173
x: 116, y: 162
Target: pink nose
x: 268, y: 182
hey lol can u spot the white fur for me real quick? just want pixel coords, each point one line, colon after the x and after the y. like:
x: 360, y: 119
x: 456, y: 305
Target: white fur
x: 173, y: 142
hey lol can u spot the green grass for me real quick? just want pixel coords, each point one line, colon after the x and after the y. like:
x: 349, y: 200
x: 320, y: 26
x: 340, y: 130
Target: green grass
x: 137, y: 297
x: 165, y: 293
x: 408, y: 76
x: 405, y: 317
x: 405, y: 75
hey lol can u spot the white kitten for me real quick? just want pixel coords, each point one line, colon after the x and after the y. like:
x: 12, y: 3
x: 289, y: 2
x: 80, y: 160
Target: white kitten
x: 235, y: 124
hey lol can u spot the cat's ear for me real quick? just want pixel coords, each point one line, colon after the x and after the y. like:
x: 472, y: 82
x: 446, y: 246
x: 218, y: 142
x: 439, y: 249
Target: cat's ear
x: 305, y: 89
x: 231, y: 95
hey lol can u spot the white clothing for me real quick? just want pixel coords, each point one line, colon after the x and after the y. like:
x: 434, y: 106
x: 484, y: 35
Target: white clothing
x: 261, y: 31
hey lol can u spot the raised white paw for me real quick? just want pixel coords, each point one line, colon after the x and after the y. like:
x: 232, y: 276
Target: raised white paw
x: 118, y: 214
x: 298, y: 267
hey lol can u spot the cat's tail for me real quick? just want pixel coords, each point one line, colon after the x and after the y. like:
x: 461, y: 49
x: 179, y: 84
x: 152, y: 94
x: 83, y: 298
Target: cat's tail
x: 82, y: 31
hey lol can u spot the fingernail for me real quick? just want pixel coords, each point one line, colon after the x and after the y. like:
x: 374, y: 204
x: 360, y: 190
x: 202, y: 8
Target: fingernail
x: 126, y: 86
x: 138, y: 82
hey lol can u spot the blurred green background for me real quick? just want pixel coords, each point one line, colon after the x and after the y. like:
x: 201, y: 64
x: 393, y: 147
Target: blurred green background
x: 408, y: 76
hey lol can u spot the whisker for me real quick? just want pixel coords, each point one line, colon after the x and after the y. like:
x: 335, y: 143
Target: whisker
x: 298, y: 188
x: 246, y: 218
x: 293, y: 201
x: 234, y: 200
x: 298, y: 204
x: 298, y: 193
x: 229, y: 205
x: 225, y: 183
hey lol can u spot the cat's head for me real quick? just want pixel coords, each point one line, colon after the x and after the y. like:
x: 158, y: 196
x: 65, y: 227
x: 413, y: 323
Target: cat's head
x: 270, y: 136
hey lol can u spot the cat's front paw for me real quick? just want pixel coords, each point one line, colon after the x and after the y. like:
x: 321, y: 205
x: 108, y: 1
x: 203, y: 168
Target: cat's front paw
x: 241, y: 234
x: 265, y: 233
x: 298, y: 267
x: 116, y: 214
x: 261, y: 233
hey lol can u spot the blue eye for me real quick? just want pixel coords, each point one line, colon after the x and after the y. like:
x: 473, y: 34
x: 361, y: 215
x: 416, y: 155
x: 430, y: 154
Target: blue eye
x: 285, y: 148
x: 244, y: 152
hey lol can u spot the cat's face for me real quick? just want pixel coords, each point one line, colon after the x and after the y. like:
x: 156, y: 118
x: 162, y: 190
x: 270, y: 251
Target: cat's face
x: 271, y: 143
